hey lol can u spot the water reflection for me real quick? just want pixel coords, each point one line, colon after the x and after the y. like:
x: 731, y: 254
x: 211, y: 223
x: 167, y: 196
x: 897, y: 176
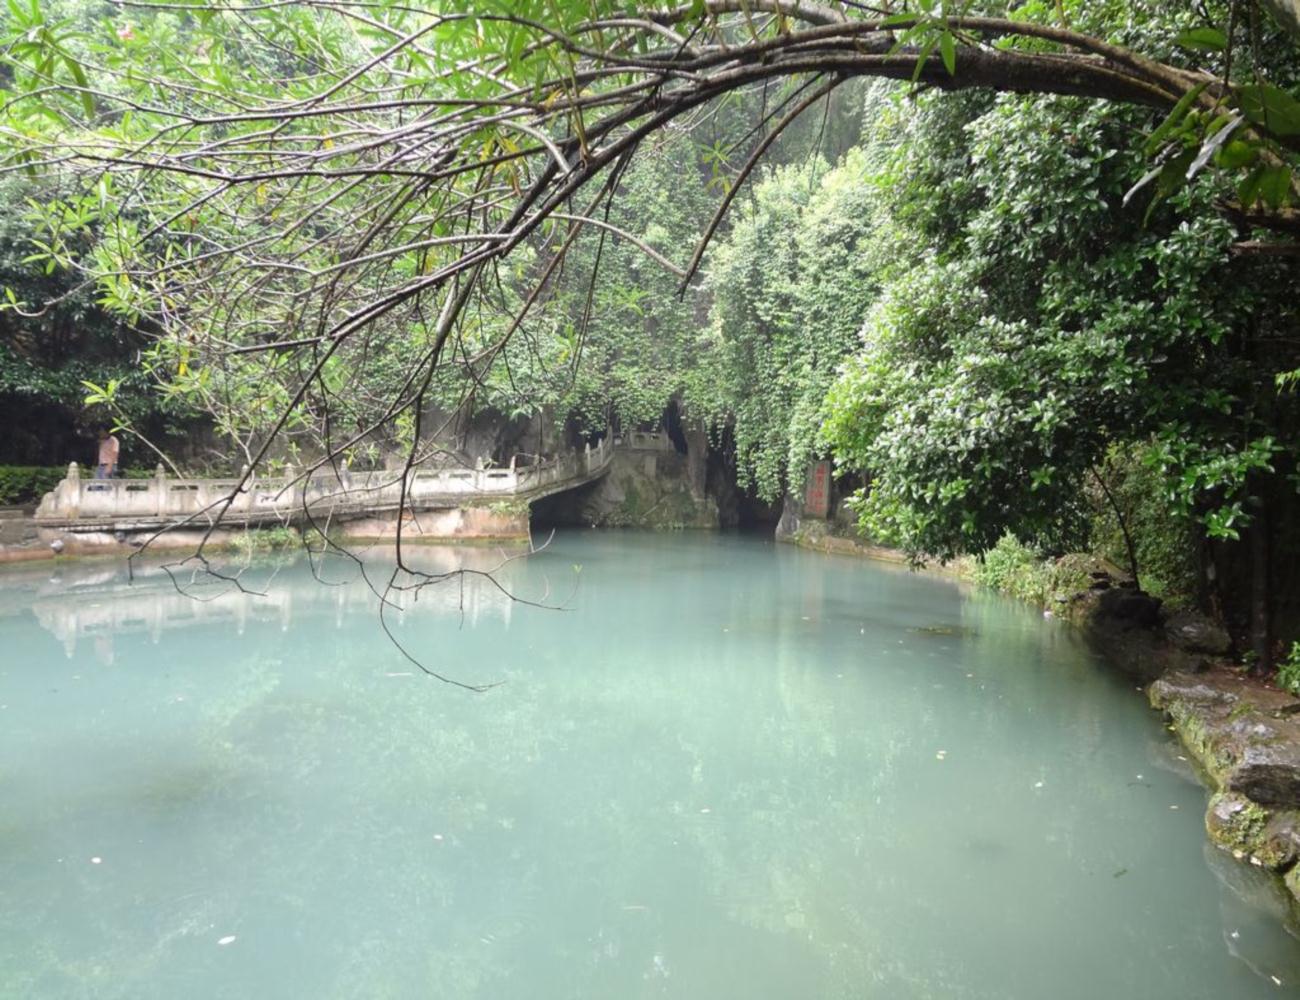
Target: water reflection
x: 727, y: 769
x: 94, y: 605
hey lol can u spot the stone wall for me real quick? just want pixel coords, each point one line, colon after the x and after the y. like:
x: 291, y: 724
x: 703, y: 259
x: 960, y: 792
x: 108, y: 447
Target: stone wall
x: 836, y: 534
x: 644, y: 488
x: 499, y: 522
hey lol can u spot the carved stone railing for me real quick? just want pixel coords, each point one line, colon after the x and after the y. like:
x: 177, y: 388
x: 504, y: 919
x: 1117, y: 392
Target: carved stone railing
x: 323, y: 493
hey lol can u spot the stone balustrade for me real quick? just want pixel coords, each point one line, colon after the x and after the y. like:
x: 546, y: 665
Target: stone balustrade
x: 323, y: 492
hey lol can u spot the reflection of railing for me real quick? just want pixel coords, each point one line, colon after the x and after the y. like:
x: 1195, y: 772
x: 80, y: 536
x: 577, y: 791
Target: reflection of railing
x: 323, y: 493
x: 98, y: 606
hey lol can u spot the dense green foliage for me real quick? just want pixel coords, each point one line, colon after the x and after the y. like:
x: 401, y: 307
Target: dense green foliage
x: 1165, y: 540
x: 49, y: 355
x: 1288, y: 672
x: 790, y: 286
x: 22, y: 484
x: 1033, y: 322
x: 1013, y: 568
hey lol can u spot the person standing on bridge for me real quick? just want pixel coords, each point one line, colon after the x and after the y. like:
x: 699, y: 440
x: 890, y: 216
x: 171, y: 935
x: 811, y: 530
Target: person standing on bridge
x: 109, y: 446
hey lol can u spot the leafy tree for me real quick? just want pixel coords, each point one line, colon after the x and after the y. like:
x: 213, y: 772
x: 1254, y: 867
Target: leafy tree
x: 336, y: 215
x: 790, y: 285
x: 276, y: 186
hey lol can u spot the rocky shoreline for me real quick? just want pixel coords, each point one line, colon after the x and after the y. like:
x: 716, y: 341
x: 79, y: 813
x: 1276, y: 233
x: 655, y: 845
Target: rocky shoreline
x: 1245, y: 737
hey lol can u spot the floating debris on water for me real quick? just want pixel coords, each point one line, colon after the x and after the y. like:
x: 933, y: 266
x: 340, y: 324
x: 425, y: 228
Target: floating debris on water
x: 963, y: 630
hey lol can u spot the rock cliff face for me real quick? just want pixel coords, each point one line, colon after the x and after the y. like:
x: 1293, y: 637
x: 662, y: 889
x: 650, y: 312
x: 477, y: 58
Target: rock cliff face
x: 645, y: 488
x: 839, y: 534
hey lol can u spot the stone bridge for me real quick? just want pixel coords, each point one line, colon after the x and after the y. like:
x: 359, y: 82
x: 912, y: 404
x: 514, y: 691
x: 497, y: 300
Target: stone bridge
x: 84, y: 507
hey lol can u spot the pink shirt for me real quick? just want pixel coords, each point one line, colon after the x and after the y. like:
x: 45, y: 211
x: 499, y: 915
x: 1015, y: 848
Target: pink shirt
x: 108, y: 449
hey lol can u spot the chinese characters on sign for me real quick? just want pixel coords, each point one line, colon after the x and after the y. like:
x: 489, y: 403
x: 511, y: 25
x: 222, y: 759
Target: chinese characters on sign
x: 817, y: 493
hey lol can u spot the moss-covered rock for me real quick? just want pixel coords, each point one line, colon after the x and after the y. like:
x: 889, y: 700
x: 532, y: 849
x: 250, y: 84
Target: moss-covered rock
x: 1246, y: 738
x: 647, y: 489
x: 1244, y: 734
x: 1279, y: 847
x: 1235, y: 823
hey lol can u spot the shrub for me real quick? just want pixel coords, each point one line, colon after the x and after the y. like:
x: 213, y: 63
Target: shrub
x: 21, y: 484
x: 1288, y: 672
x: 1014, y: 568
x: 257, y: 540
x: 1164, y: 539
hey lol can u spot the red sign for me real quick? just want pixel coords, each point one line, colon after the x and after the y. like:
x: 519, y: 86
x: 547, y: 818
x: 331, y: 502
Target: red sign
x: 817, y: 491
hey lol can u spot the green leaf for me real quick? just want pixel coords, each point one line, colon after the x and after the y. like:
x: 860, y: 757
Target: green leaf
x: 1270, y: 107
x: 1248, y: 188
x: 1236, y: 154
x: 78, y: 74
x: 1142, y: 182
x: 1170, y: 178
x: 1175, y: 119
x: 1204, y: 39
x: 1275, y: 187
x: 948, y: 52
x: 922, y: 58
x: 1212, y: 144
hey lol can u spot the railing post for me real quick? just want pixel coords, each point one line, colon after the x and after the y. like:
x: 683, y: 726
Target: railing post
x: 288, y: 492
x: 73, y: 483
x: 160, y: 488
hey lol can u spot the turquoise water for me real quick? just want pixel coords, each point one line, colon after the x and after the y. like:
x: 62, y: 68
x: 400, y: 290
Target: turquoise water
x: 725, y: 769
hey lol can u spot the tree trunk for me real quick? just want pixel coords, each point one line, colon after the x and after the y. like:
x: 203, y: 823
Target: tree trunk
x: 1129, y: 545
x: 1261, y: 619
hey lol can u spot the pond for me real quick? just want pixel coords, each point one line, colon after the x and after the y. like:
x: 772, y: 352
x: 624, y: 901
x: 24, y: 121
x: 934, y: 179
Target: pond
x: 725, y: 768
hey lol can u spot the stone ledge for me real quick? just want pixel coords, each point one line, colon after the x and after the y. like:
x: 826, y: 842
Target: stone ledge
x: 1245, y: 736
